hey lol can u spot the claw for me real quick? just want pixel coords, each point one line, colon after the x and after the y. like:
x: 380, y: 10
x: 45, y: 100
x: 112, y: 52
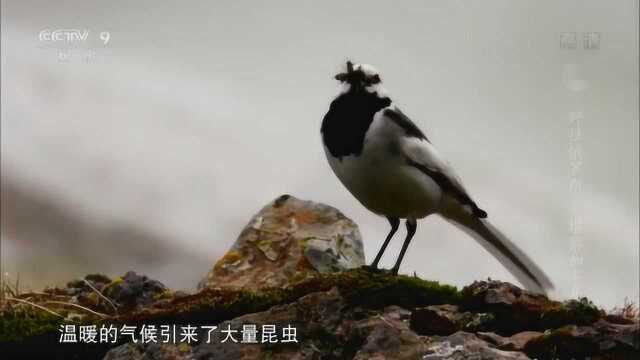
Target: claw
x: 375, y: 270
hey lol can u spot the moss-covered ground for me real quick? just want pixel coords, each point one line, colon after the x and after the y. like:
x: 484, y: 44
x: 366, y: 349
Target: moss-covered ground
x: 22, y: 325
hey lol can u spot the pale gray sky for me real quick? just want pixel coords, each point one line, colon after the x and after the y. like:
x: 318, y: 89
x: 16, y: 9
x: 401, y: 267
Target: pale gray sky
x: 196, y: 114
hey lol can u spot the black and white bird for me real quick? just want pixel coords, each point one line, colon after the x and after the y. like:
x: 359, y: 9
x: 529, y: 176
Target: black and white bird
x: 394, y: 170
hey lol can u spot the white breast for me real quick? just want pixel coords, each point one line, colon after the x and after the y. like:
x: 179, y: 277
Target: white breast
x: 380, y: 177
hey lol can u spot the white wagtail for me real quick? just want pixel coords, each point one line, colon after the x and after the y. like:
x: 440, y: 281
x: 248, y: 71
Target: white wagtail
x: 394, y: 170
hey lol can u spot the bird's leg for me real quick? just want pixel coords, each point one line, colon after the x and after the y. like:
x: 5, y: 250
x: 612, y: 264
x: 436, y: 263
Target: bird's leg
x: 412, y: 225
x: 395, y: 223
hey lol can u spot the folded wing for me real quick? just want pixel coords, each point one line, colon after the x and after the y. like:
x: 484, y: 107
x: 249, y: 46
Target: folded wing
x: 461, y: 210
x: 421, y: 154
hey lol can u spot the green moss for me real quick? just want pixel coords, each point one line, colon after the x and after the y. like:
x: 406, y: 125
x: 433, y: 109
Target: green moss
x: 76, y: 284
x: 267, y: 354
x: 361, y: 287
x: 577, y: 312
x: 27, y: 334
x: 109, y: 287
x: 16, y: 326
x: 165, y: 294
x: 98, y: 278
x: 516, y: 310
x: 184, y: 347
x: 562, y: 344
x: 331, y: 347
x: 229, y: 258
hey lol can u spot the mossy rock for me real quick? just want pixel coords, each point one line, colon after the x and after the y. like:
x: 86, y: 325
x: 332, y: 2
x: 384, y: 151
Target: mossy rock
x: 359, y: 287
x: 364, y: 288
x: 518, y: 310
x: 16, y: 326
x: 576, y: 312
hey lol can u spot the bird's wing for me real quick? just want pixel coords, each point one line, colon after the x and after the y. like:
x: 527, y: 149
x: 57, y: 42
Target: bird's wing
x: 421, y: 154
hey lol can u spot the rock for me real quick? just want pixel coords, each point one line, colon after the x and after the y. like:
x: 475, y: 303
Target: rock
x: 516, y: 342
x: 388, y: 336
x: 351, y: 314
x: 602, y: 340
x: 133, y: 291
x: 625, y: 335
x: 325, y: 325
x: 324, y: 307
x: 619, y: 319
x: 478, y: 322
x: 447, y: 319
x: 104, y: 295
x: 497, y: 293
x: 82, y: 294
x: 436, y: 320
x: 289, y: 240
x: 518, y: 310
x: 463, y: 345
x: 81, y: 288
x: 321, y: 324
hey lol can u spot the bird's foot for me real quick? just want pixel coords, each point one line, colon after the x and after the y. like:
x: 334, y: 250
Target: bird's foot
x: 373, y: 269
x: 377, y: 270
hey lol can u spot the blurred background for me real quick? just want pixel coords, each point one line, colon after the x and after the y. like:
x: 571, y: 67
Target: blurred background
x: 144, y: 135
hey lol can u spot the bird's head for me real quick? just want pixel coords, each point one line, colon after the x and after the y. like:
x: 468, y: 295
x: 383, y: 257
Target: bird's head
x: 361, y: 77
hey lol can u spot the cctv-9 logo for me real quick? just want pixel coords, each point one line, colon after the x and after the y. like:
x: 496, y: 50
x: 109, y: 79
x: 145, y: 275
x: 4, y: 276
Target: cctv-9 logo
x: 71, y: 35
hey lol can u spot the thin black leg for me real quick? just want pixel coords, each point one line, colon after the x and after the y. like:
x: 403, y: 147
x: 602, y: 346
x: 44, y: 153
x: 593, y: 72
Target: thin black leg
x: 412, y: 225
x: 395, y: 223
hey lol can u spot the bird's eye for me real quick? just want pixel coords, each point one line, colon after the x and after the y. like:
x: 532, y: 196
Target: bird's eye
x: 375, y: 79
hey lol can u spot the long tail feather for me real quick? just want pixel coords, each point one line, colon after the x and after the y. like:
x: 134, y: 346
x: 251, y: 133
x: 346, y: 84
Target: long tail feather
x: 507, y: 253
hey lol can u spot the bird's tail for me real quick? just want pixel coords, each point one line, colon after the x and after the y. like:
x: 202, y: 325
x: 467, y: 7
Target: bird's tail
x: 509, y: 255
